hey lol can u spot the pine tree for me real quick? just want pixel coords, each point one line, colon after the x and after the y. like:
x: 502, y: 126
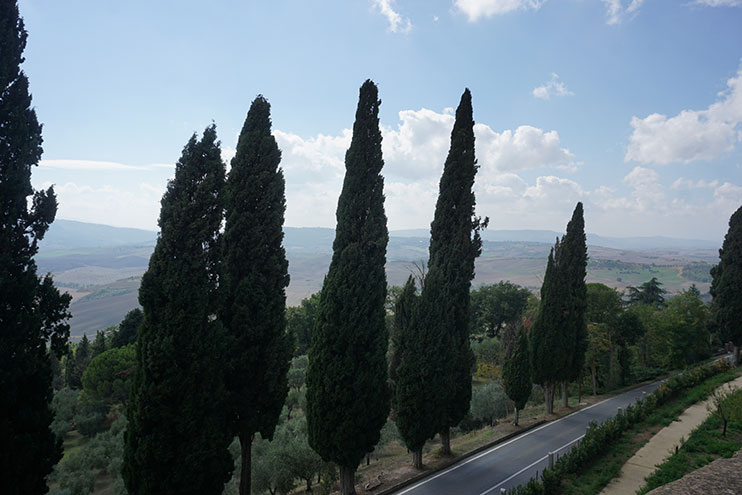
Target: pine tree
x: 516, y: 371
x: 99, y: 344
x: 455, y: 243
x: 177, y: 435
x: 726, y: 285
x: 32, y: 312
x: 347, y: 393
x: 255, y: 275
x: 407, y: 373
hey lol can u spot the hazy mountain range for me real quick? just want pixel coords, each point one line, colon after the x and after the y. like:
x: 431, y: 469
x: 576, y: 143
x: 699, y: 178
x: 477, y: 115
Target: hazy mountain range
x: 101, y: 265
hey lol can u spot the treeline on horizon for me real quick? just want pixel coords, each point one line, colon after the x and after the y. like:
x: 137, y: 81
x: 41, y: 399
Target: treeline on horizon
x: 212, y: 358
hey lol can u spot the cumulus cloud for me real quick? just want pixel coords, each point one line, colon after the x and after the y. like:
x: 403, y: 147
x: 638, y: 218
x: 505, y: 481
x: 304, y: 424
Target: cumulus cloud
x: 397, y: 23
x: 691, y: 135
x: 552, y: 88
x: 527, y: 147
x: 681, y: 183
x: 477, y: 9
x: 616, y: 11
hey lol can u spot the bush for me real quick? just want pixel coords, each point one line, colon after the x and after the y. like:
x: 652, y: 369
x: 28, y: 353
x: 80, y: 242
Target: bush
x: 64, y: 405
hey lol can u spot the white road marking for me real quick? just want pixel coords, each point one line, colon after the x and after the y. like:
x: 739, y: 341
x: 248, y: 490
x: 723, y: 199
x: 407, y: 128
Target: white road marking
x: 499, y: 446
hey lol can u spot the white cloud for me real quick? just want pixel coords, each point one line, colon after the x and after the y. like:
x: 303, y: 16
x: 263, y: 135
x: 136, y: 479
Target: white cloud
x: 616, y: 12
x: 553, y: 87
x: 526, y: 148
x: 476, y: 9
x: 720, y: 3
x: 397, y: 23
x: 681, y: 183
x: 88, y: 165
x: 691, y: 135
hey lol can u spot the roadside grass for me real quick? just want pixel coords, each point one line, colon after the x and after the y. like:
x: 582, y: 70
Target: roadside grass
x: 595, y: 476
x: 704, y: 445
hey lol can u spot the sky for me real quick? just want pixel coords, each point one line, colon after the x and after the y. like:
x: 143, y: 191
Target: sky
x: 633, y: 107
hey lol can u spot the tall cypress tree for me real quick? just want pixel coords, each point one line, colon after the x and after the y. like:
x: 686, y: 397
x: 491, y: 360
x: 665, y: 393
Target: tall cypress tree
x: 573, y: 266
x: 455, y: 243
x: 347, y: 393
x: 559, y: 335
x: 516, y: 371
x: 255, y: 275
x: 550, y: 352
x: 409, y: 370
x: 177, y: 435
x: 726, y: 285
x: 32, y: 311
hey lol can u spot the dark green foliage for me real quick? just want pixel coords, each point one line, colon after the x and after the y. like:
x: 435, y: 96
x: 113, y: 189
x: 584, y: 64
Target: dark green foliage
x: 442, y: 315
x: 573, y: 267
x: 128, y: 328
x: 99, y: 344
x: 492, y: 306
x: 650, y: 293
x: 177, y: 437
x: 550, y: 350
x: 82, y: 358
x: 347, y: 393
x: 726, y: 287
x: 32, y: 312
x: 254, y: 280
x: 408, y: 373
x: 107, y: 378
x: 300, y: 323
x: 559, y: 334
x: 516, y: 371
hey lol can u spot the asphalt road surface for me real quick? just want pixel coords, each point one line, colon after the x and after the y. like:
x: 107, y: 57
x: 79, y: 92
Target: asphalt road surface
x: 516, y: 461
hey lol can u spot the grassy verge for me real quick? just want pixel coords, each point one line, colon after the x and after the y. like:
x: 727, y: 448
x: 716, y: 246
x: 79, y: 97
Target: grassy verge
x: 595, y: 476
x: 705, y: 445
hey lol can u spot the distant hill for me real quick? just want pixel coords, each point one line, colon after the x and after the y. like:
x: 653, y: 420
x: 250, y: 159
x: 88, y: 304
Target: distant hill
x: 69, y: 234
x: 549, y: 236
x: 101, y: 265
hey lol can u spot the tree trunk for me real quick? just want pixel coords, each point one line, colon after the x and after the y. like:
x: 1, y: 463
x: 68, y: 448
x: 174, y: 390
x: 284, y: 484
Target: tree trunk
x: 347, y: 480
x: 515, y: 420
x: 579, y: 391
x: 446, y: 441
x: 245, y: 471
x: 594, y: 374
x: 549, y: 397
x: 417, y: 458
x: 565, y: 395
x: 368, y: 459
x: 735, y: 356
x: 309, y: 485
x: 611, y: 366
x: 724, y: 432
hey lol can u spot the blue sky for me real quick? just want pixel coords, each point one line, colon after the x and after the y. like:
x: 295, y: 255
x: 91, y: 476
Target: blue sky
x: 632, y: 106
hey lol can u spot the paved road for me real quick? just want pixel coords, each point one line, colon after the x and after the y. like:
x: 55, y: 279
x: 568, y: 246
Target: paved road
x: 516, y: 461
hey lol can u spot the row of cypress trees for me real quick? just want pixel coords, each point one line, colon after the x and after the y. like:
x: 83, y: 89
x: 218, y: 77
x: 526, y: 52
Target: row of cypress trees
x: 212, y: 352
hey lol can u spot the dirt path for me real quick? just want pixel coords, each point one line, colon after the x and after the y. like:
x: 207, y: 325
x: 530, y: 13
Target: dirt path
x: 659, y: 448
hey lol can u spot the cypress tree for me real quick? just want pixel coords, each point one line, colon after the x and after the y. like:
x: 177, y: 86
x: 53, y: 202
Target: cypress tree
x: 516, y: 371
x: 32, y: 312
x: 128, y: 329
x: 347, y: 393
x: 726, y: 285
x: 455, y: 242
x: 550, y: 352
x: 559, y: 335
x: 574, y: 269
x: 177, y: 434
x: 255, y: 275
x: 408, y: 373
